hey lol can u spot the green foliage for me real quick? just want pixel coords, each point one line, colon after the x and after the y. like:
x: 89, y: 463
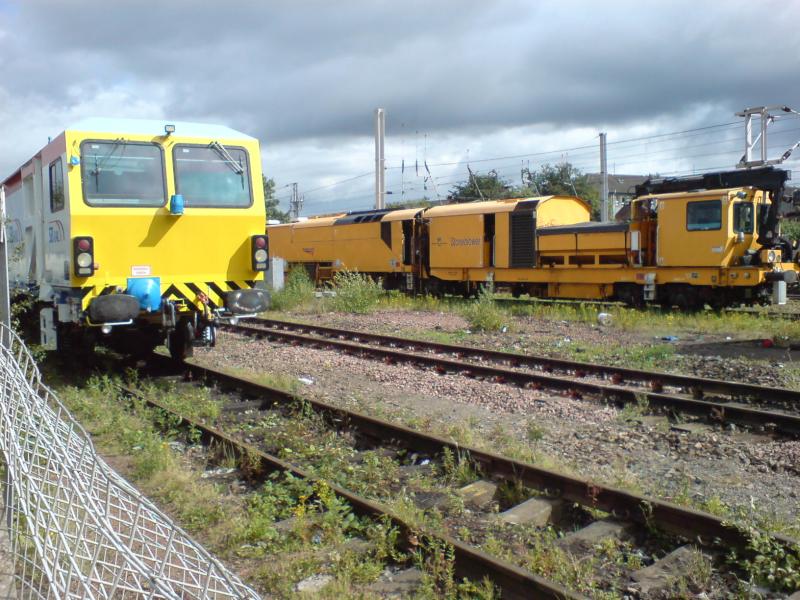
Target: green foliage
x: 297, y: 290
x: 457, y: 470
x: 769, y: 561
x: 271, y: 203
x: 483, y: 314
x: 418, y: 203
x: 562, y: 179
x: 790, y: 229
x: 437, y: 562
x: 355, y: 293
x: 550, y: 180
x: 534, y: 431
x: 486, y: 187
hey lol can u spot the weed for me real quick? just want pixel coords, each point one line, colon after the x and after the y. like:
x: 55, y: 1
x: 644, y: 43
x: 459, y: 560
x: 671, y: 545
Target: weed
x: 298, y: 290
x: 355, y: 293
x: 483, y: 314
x: 769, y: 561
x: 534, y: 432
x: 457, y: 470
x: 634, y: 410
x: 436, y: 560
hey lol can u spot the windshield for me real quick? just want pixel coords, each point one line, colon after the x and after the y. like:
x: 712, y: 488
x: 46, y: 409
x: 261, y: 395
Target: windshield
x: 122, y: 174
x: 212, y: 176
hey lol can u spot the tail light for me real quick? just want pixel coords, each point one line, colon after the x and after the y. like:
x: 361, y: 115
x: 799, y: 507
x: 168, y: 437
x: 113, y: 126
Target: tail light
x: 83, y: 256
x: 259, y: 252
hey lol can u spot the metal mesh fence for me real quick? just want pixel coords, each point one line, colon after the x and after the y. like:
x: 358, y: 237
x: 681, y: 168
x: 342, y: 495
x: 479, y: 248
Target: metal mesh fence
x: 74, y: 527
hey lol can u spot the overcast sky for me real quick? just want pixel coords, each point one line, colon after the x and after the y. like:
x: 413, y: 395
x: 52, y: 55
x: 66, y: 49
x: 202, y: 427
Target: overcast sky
x: 460, y: 80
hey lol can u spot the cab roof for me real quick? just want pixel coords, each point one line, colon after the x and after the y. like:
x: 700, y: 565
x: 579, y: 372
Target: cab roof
x: 155, y: 127
x: 147, y: 127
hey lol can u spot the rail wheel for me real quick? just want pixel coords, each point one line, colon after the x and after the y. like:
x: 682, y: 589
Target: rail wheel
x: 180, y: 339
x: 74, y: 343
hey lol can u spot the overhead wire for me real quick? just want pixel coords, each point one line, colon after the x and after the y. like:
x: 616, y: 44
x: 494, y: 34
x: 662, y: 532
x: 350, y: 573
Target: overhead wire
x: 578, y: 159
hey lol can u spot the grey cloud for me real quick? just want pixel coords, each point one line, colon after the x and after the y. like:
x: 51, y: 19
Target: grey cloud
x: 314, y: 71
x: 293, y: 70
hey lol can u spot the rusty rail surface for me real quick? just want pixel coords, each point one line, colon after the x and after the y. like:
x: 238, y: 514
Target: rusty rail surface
x: 514, y: 582
x: 572, y: 381
x: 701, y: 527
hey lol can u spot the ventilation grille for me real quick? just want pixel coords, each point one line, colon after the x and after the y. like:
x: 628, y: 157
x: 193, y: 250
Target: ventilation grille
x: 523, y: 230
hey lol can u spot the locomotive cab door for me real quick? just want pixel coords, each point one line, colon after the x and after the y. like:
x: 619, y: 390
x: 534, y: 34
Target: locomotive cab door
x: 408, y: 242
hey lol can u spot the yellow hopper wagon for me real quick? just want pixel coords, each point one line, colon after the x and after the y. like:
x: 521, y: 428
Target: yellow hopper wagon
x: 135, y: 232
x: 379, y: 243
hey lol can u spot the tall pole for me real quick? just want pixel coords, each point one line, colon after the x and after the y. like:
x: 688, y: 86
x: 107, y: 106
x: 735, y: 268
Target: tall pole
x: 380, y: 161
x: 604, y: 211
x: 294, y: 203
x: 5, y: 294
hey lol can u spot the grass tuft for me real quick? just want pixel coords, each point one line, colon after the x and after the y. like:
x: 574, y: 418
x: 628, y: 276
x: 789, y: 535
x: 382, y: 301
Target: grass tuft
x: 483, y: 314
x: 355, y: 292
x: 297, y: 291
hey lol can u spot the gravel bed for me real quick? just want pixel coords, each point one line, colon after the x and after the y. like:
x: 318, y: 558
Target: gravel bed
x: 729, y: 357
x: 754, y: 473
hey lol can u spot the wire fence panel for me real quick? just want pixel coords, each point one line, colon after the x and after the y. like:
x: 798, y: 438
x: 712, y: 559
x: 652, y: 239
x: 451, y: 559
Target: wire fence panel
x: 74, y: 527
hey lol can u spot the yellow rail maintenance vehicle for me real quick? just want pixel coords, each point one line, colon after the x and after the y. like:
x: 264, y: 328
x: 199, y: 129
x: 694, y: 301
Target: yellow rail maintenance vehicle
x: 706, y: 239
x: 452, y: 248
x: 135, y: 232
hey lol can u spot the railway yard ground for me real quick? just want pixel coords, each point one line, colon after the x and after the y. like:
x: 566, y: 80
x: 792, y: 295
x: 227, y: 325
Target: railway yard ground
x: 294, y: 536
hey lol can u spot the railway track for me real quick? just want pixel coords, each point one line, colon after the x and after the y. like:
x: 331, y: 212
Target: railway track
x: 712, y: 399
x: 677, y: 528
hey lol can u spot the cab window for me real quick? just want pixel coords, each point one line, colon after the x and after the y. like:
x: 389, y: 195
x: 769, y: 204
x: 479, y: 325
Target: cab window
x: 743, y: 217
x: 705, y: 215
x: 119, y: 173
x: 213, y: 175
x: 56, y: 186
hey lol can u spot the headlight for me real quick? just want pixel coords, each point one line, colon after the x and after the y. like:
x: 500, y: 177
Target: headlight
x: 84, y: 260
x: 260, y: 256
x: 769, y: 257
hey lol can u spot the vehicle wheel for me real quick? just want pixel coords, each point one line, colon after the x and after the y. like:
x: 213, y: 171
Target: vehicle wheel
x: 74, y: 343
x: 180, y: 341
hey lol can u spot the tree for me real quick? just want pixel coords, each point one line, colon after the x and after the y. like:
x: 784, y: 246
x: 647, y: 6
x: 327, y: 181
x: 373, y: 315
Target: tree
x: 420, y: 203
x: 488, y: 187
x: 562, y: 180
x: 550, y: 180
x: 271, y: 202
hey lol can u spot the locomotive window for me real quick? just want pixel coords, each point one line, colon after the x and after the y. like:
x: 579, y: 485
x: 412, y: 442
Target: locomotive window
x: 56, y: 186
x: 705, y: 215
x: 743, y: 217
x: 215, y: 175
x: 122, y: 173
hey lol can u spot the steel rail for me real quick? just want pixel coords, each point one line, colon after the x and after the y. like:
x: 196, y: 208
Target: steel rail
x: 471, y: 562
x: 696, y: 385
x: 699, y: 526
x: 713, y: 410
